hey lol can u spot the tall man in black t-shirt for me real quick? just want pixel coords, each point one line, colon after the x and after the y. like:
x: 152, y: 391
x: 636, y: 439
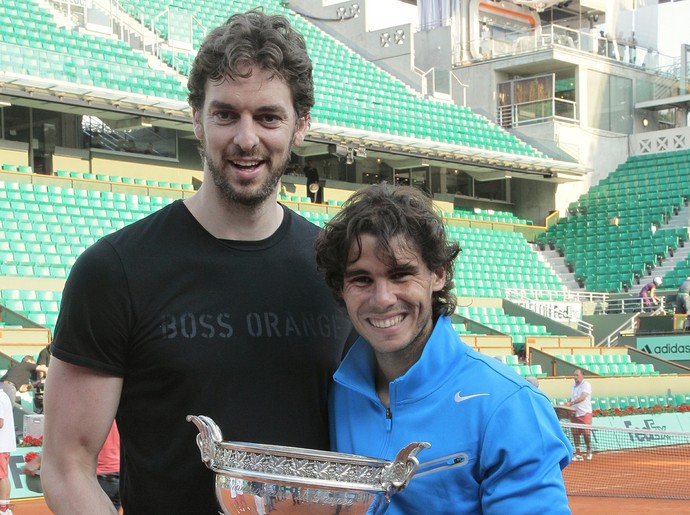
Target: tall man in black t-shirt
x: 212, y: 306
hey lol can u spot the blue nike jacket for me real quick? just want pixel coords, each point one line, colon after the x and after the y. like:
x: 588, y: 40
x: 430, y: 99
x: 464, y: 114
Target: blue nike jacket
x: 509, y: 445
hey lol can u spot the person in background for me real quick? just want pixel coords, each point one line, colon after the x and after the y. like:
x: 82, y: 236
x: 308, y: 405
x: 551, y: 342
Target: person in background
x: 8, y: 444
x: 648, y: 294
x: 211, y: 306
x: 18, y: 377
x: 39, y: 379
x: 683, y: 298
x: 581, y: 400
x: 44, y: 358
x: 409, y: 378
x: 312, y: 176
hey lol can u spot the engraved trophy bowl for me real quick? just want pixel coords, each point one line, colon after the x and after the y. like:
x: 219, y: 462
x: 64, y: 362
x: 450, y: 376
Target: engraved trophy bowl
x: 261, y: 478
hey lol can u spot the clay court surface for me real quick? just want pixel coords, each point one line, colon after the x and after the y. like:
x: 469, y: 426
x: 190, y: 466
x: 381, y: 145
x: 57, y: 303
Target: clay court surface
x: 626, y: 481
x: 580, y: 505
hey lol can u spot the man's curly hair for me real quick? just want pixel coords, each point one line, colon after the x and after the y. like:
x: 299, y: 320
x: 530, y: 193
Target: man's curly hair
x: 390, y: 214
x: 254, y: 40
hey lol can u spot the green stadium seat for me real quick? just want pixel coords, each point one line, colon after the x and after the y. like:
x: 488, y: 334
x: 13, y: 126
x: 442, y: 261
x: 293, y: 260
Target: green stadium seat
x: 524, y: 370
x: 537, y: 371
x: 647, y: 369
x: 597, y: 369
x: 643, y: 401
x: 631, y: 369
x: 512, y: 359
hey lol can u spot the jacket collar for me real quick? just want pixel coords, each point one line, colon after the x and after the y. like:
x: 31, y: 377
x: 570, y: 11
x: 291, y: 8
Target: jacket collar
x: 439, y: 358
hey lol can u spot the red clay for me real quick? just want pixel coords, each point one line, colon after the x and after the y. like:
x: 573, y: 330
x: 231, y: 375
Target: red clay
x: 580, y: 505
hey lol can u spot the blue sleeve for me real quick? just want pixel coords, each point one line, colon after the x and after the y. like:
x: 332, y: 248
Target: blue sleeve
x: 521, y: 465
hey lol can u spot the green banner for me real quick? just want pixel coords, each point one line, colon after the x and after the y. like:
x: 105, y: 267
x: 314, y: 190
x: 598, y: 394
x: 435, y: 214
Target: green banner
x: 673, y: 347
x: 663, y: 422
x: 21, y: 487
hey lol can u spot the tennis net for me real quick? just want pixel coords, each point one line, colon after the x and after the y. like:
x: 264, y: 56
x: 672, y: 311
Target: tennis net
x: 629, y: 463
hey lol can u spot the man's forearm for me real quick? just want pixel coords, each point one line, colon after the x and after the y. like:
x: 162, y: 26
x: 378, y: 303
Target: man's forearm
x: 75, y: 493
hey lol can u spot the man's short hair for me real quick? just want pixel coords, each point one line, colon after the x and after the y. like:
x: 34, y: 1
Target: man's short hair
x: 248, y: 40
x: 387, y: 212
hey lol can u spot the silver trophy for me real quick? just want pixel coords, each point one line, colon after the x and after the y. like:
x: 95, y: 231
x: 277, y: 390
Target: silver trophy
x: 259, y: 478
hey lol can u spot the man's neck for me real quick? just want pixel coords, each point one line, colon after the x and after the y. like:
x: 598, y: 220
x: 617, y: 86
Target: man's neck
x: 387, y: 370
x: 232, y: 221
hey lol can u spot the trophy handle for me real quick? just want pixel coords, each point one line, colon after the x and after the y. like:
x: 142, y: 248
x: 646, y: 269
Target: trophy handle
x: 209, y: 435
x: 397, y: 474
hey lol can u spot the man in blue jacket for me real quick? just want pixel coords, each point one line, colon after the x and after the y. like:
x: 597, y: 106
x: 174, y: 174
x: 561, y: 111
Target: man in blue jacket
x: 410, y: 378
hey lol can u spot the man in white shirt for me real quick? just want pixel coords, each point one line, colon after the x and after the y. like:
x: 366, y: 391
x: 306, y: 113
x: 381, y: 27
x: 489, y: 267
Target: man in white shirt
x: 581, y: 400
x: 8, y: 443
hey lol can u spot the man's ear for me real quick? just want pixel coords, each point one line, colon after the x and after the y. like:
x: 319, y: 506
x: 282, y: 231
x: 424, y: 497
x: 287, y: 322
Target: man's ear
x: 198, y: 127
x: 302, y: 127
x: 438, y: 280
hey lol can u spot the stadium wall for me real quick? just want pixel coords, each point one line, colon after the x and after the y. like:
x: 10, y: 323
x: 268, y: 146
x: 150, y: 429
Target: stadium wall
x: 71, y: 159
x: 14, y: 152
x: 555, y: 387
x: 138, y: 167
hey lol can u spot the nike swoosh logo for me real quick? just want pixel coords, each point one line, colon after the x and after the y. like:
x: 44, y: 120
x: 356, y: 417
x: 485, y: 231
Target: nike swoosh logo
x: 460, y: 398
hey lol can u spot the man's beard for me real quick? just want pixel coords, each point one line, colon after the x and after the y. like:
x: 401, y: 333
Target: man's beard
x: 266, y: 190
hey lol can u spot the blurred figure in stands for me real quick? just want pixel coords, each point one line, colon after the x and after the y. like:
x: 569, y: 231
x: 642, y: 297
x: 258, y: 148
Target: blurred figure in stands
x: 683, y: 298
x: 648, y: 294
x: 312, y: 176
x: 19, y: 377
x: 44, y: 358
x: 39, y: 378
x: 581, y: 400
x: 211, y: 306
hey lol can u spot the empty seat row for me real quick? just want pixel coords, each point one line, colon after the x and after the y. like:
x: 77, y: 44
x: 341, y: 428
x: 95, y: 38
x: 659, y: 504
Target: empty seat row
x: 582, y: 359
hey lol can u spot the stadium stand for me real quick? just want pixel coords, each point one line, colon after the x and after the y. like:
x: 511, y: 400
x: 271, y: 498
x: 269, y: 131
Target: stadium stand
x: 492, y: 260
x: 620, y: 230
x: 361, y: 95
x: 38, y: 46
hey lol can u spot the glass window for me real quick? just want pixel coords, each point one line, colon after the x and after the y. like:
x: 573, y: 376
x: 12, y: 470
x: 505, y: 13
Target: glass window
x: 609, y: 102
x: 157, y: 141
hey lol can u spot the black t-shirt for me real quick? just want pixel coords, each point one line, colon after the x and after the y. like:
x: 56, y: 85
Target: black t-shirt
x: 246, y: 333
x: 44, y: 356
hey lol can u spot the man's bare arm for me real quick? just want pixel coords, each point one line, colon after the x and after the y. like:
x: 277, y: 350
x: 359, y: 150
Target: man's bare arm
x: 80, y: 405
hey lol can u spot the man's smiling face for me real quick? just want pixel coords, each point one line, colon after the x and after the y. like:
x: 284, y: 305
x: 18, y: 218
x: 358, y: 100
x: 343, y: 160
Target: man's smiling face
x: 389, y: 301
x: 247, y: 127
